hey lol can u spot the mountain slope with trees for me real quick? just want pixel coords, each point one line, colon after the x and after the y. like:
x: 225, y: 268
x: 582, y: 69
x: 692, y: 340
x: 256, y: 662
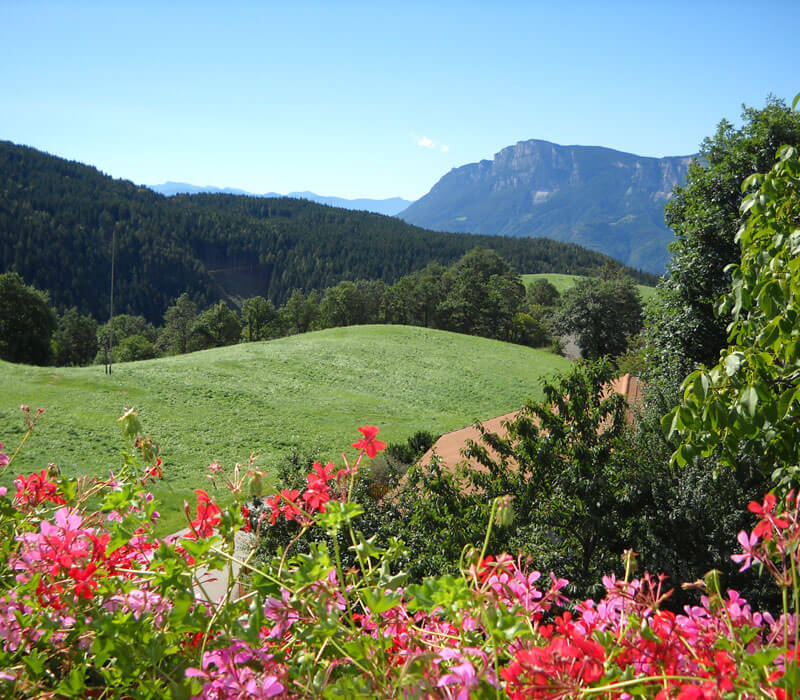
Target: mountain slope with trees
x: 596, y: 197
x: 58, y: 219
x: 389, y: 206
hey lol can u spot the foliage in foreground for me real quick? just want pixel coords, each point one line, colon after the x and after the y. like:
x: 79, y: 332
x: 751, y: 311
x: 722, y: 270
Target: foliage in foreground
x: 684, y: 327
x: 92, y: 604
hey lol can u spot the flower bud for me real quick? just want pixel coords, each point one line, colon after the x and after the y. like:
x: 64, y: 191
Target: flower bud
x: 504, y: 514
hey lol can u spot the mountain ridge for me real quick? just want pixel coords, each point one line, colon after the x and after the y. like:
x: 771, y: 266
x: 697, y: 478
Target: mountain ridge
x: 59, y: 220
x: 390, y: 206
x: 601, y: 198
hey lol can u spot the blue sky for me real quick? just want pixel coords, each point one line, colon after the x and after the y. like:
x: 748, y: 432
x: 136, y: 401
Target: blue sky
x: 371, y: 99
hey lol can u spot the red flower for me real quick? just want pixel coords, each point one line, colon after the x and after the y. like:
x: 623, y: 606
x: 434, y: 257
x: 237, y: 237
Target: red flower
x: 274, y: 507
x: 155, y: 472
x: 488, y: 566
x: 36, y: 489
x: 317, y: 496
x: 289, y: 509
x: 85, y: 584
x: 768, y: 519
x: 327, y: 472
x: 369, y: 444
x: 208, y: 516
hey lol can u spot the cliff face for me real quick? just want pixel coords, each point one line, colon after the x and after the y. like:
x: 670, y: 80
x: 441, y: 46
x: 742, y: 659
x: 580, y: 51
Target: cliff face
x: 600, y: 198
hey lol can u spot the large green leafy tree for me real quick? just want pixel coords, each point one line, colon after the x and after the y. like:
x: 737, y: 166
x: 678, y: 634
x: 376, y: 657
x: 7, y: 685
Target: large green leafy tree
x: 603, y: 313
x: 215, y: 327
x: 301, y: 313
x: 259, y: 318
x: 178, y: 324
x: 415, y: 300
x: 565, y: 461
x: 485, y: 295
x: 683, y: 327
x: 75, y: 339
x: 748, y: 403
x: 27, y: 322
x: 542, y: 292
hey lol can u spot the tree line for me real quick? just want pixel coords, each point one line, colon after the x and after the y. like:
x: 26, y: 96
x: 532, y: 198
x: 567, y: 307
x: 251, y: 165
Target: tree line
x: 480, y: 294
x: 60, y: 220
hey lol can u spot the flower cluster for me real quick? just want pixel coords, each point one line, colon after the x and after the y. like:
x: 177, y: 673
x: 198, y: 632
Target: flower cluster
x: 301, y: 507
x: 35, y: 489
x: 110, y: 606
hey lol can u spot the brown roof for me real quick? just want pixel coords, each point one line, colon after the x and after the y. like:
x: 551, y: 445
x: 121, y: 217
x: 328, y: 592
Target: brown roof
x: 449, y: 446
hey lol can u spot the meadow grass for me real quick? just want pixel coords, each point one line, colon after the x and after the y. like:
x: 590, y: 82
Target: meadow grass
x: 564, y: 282
x: 307, y: 393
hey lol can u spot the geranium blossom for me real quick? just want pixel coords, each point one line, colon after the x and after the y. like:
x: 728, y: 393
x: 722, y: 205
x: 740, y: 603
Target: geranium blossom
x: 368, y: 443
x: 35, y: 489
x: 208, y: 516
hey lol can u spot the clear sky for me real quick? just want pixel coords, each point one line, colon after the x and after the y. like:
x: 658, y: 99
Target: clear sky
x: 373, y: 99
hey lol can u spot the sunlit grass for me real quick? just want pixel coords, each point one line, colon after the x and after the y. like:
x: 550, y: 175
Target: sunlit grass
x: 306, y: 392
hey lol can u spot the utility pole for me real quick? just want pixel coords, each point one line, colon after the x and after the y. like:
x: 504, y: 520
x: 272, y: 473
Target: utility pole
x: 110, y: 355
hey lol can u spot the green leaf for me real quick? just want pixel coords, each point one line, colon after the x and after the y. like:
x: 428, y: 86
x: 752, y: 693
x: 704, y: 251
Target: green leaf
x: 338, y: 514
x: 35, y: 662
x: 795, y: 101
x: 733, y: 362
x: 749, y: 399
x: 74, y: 684
x: 700, y: 386
x: 379, y: 602
x: 670, y: 423
x: 366, y: 547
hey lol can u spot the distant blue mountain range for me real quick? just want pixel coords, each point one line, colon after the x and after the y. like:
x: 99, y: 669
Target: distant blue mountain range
x: 389, y: 207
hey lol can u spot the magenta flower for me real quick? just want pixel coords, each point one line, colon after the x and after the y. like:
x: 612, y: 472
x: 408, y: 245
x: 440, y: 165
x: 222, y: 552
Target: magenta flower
x: 463, y: 676
x: 229, y: 673
x: 748, y: 543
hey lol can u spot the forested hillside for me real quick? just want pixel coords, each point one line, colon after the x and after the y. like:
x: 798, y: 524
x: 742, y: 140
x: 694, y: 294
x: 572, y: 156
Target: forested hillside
x: 58, y: 218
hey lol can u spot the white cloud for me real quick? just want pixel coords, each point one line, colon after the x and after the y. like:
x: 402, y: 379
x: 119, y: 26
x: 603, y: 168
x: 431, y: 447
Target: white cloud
x: 444, y: 149
x: 425, y: 142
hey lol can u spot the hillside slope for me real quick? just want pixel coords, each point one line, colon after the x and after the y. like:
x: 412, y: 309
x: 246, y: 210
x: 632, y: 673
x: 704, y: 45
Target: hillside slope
x: 58, y: 219
x: 269, y: 398
x: 596, y: 197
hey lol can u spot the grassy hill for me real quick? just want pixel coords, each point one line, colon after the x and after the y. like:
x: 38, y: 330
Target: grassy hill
x: 303, y: 392
x: 563, y: 282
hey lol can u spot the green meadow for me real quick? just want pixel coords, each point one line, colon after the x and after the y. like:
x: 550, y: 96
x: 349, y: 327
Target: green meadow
x: 563, y: 282
x: 307, y: 392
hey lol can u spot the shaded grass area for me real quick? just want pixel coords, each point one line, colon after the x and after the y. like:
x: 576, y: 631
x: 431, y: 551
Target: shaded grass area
x: 308, y: 392
x: 564, y: 282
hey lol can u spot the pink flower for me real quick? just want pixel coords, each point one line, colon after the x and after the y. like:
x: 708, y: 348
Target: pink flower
x: 462, y: 675
x: 280, y: 612
x: 748, y: 543
x: 230, y: 672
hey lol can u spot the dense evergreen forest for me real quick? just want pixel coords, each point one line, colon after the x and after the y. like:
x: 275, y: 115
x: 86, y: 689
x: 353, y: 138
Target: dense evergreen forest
x: 58, y: 219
